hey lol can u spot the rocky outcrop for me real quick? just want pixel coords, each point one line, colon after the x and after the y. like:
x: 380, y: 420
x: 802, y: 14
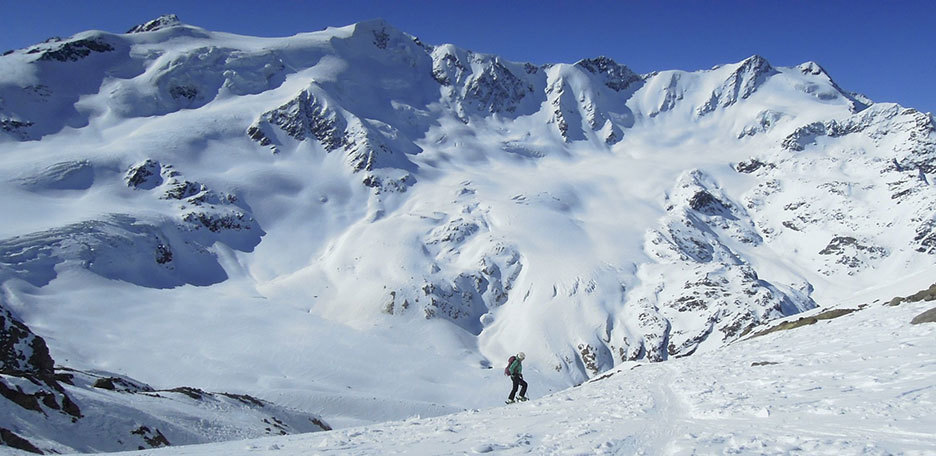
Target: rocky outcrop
x: 305, y: 116
x: 672, y: 94
x: 162, y: 22
x: 852, y: 253
x: 613, y: 75
x: 167, y: 253
x: 495, y: 89
x: 126, y: 414
x: 71, y: 51
x: 464, y: 296
x: 22, y: 353
x: 723, y: 295
x: 763, y: 122
x: 28, y: 384
x: 740, y: 84
x: 145, y: 175
x: 313, y: 116
x: 32, y: 390
x: 481, y: 85
x: 18, y: 129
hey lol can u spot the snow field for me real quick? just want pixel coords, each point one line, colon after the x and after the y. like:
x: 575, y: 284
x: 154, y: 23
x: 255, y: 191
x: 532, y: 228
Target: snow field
x: 858, y: 384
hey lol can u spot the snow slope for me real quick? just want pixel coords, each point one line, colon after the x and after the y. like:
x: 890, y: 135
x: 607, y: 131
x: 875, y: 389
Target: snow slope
x: 862, y: 383
x: 359, y: 226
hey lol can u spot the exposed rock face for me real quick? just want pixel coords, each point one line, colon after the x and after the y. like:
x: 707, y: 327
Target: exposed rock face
x: 672, y: 94
x: 743, y: 81
x: 28, y: 381
x: 17, y: 128
x: 72, y: 51
x: 378, y: 126
x: 22, y: 353
x: 305, y: 116
x: 134, y: 413
x: 465, y: 297
x: 495, y: 90
x: 693, y: 238
x: 161, y: 22
x: 32, y: 390
x: 616, y: 77
x: 928, y: 316
x: 367, y: 148
x: 851, y: 252
x: 481, y: 85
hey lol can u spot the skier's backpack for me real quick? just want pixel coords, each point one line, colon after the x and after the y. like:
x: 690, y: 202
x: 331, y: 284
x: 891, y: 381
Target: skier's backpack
x: 510, y: 362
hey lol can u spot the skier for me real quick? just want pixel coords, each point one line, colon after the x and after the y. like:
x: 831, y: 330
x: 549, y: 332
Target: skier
x: 515, y: 370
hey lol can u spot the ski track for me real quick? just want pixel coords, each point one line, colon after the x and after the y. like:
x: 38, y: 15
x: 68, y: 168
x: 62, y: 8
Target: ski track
x: 817, y: 390
x: 423, y: 212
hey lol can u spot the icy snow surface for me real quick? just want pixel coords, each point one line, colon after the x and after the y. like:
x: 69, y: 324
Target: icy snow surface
x: 358, y: 226
x: 863, y: 383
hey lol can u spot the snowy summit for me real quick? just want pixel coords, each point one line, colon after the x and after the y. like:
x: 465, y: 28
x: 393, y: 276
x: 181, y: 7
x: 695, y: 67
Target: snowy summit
x: 211, y: 237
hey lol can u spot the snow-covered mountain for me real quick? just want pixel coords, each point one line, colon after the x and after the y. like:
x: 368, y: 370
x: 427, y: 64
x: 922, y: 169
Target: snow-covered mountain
x: 357, y: 225
x: 855, y: 380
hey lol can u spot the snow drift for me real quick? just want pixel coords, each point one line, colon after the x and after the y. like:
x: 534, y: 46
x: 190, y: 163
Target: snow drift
x: 354, y: 217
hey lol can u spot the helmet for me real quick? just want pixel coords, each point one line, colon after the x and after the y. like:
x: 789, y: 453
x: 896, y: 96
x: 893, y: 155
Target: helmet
x: 521, y: 356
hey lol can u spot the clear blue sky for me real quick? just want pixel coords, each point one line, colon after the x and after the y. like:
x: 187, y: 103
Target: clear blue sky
x: 884, y: 49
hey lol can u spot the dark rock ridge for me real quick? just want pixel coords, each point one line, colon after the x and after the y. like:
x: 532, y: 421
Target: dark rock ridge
x: 311, y: 115
x: 700, y: 219
x: 615, y: 76
x: 741, y: 84
x: 161, y: 22
x: 28, y: 380
x: 464, y: 297
x: 496, y: 90
x: 22, y: 353
x: 33, y: 390
x: 131, y: 410
x: 72, y: 51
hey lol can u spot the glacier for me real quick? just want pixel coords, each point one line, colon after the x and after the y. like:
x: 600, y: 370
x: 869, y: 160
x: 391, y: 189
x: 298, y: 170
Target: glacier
x: 359, y: 226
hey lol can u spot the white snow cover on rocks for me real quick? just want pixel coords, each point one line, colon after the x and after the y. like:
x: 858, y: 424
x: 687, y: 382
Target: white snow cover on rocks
x: 359, y: 227
x: 863, y: 383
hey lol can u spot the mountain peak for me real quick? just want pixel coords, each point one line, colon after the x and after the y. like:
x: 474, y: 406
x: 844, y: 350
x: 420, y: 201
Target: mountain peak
x: 380, y: 32
x: 618, y: 77
x: 859, y: 101
x: 161, y: 22
x: 812, y: 68
x: 756, y: 62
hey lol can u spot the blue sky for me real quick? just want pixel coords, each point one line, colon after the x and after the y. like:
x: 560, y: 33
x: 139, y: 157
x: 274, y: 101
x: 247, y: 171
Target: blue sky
x: 884, y: 49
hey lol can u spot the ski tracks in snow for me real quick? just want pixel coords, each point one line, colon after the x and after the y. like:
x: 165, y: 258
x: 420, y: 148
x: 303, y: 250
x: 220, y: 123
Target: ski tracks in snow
x: 635, y: 413
x: 855, y: 386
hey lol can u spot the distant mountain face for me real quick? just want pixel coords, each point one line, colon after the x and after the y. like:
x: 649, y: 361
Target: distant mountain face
x: 582, y: 212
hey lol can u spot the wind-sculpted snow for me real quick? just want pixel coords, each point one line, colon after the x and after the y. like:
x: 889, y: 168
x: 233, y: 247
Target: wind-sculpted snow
x: 194, y: 78
x: 71, y: 175
x: 427, y: 200
x: 40, y: 86
x: 101, y: 246
x: 151, y: 252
